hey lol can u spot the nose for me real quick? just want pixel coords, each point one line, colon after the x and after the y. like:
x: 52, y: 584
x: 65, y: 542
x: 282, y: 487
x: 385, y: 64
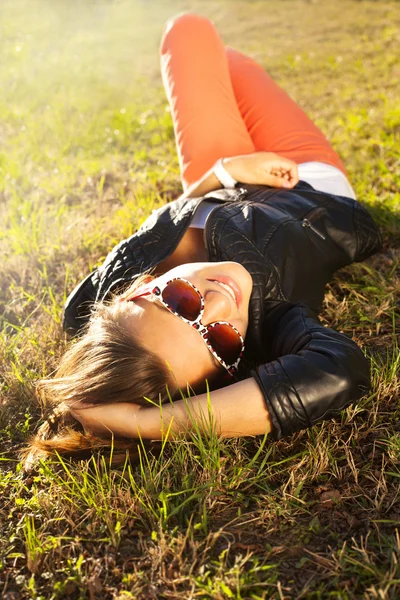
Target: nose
x: 217, y: 307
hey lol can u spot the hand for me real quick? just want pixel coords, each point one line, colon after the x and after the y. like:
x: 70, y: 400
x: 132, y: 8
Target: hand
x: 263, y: 168
x: 104, y: 419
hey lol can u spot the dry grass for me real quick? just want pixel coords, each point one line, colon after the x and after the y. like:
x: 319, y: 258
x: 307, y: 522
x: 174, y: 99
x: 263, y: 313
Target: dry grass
x: 86, y: 152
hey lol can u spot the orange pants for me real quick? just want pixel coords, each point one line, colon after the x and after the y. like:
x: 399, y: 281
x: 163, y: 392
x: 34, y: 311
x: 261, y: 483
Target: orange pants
x: 223, y: 104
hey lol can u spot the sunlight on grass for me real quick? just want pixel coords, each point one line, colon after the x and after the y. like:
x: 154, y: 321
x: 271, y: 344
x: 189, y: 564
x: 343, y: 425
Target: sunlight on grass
x: 87, y: 152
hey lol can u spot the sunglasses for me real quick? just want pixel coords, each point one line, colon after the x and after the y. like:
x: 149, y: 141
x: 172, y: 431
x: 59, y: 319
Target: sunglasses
x: 185, y: 301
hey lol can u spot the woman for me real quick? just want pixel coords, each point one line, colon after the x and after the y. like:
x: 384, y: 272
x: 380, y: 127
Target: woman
x: 222, y: 286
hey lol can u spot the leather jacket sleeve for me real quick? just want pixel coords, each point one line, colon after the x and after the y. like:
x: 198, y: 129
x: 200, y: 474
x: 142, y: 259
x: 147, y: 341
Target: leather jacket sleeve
x: 316, y: 372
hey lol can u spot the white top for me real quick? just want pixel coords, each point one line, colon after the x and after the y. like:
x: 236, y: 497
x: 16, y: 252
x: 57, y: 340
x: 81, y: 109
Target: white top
x: 323, y: 177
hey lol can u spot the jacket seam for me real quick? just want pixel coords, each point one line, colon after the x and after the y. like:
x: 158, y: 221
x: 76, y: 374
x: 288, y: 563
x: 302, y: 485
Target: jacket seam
x: 265, y: 258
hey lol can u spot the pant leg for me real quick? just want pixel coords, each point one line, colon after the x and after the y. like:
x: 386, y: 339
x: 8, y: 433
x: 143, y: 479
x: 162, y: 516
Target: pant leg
x: 207, y: 121
x: 273, y: 120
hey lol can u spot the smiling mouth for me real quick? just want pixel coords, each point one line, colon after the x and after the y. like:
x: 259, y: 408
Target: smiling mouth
x: 231, y: 291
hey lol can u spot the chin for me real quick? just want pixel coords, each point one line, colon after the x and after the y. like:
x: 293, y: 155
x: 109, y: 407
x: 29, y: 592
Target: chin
x: 245, y: 279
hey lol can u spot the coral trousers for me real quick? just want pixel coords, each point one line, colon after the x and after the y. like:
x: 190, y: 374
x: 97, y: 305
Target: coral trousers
x: 224, y: 104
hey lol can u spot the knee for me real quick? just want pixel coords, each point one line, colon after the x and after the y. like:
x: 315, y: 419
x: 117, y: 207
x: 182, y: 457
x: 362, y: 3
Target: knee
x: 237, y: 60
x: 186, y: 25
x: 232, y: 55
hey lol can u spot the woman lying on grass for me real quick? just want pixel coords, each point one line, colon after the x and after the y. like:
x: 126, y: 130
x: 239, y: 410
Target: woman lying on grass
x: 222, y: 287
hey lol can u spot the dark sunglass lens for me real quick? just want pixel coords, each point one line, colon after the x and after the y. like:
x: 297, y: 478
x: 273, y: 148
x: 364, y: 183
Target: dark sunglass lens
x: 226, y: 342
x: 182, y: 299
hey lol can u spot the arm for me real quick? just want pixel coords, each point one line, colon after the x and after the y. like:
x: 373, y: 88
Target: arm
x: 314, y: 373
x: 259, y: 168
x: 317, y: 373
x: 236, y: 410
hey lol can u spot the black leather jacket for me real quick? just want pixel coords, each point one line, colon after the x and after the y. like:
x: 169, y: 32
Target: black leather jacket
x: 290, y: 242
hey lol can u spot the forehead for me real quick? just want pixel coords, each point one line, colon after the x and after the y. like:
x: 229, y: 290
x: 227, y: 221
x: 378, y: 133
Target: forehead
x: 173, y: 340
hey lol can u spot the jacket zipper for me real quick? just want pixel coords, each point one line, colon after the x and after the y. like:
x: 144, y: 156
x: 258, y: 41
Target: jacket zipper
x: 306, y: 223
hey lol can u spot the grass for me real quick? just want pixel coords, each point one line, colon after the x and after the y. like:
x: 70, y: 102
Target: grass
x: 86, y: 152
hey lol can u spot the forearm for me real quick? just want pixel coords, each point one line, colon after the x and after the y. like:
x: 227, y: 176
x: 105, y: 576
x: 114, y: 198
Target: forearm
x: 259, y: 168
x: 208, y: 183
x: 234, y: 411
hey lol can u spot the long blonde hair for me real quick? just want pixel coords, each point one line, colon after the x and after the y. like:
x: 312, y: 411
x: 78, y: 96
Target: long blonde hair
x: 105, y: 364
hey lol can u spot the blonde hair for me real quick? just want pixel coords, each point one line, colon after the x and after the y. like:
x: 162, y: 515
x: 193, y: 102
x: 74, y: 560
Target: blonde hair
x: 105, y: 364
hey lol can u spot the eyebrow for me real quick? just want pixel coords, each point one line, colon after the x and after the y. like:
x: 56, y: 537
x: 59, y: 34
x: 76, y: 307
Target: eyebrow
x: 166, y: 311
x: 215, y: 360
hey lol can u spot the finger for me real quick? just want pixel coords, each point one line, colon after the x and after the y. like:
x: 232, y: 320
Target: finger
x: 283, y: 173
x: 290, y: 166
x: 284, y: 166
x: 294, y: 174
x: 278, y: 182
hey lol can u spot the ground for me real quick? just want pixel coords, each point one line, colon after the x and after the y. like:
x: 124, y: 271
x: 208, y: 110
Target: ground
x: 86, y: 152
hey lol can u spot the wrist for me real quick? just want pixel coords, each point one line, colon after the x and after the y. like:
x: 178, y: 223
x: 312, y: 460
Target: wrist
x: 233, y: 164
x: 224, y: 175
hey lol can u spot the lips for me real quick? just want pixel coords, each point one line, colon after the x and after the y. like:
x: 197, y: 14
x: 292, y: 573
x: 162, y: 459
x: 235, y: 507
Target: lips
x: 232, y: 285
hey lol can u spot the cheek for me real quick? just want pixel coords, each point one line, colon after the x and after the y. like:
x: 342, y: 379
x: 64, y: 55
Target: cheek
x: 191, y: 365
